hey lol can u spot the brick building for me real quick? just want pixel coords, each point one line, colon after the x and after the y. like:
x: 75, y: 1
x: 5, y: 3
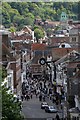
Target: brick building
x: 12, y: 62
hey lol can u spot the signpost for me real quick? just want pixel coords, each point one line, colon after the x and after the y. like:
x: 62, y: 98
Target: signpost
x: 42, y: 61
x: 52, y: 67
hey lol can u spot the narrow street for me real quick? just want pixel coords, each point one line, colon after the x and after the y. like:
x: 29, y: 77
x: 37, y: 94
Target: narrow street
x: 32, y: 109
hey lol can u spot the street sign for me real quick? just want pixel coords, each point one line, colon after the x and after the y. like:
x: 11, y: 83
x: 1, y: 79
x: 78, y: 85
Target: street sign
x: 42, y: 61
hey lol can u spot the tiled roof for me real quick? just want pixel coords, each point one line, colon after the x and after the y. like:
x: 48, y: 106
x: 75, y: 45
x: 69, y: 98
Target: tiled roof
x: 73, y: 64
x: 58, y: 53
x: 37, y: 46
x: 59, y: 39
x: 19, y: 46
x: 5, y: 50
x: 52, y: 23
x: 26, y: 28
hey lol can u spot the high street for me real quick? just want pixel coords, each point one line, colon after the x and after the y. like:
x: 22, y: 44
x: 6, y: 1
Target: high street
x: 32, y: 109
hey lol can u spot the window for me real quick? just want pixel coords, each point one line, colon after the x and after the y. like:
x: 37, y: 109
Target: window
x: 35, y: 69
x: 74, y: 39
x: 9, y: 82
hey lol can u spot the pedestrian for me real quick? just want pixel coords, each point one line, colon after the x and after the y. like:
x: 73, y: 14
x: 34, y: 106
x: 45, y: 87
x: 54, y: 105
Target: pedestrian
x: 57, y: 117
x: 22, y: 97
x: 25, y: 96
x: 40, y: 97
x: 36, y: 94
x: 18, y: 98
x: 43, y: 98
x: 31, y: 95
x: 57, y: 102
x: 50, y: 97
x: 20, y: 105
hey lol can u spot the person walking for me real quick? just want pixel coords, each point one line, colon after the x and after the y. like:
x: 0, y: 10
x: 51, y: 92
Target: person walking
x: 22, y: 97
x: 57, y: 117
x: 31, y: 96
x: 25, y: 96
x: 40, y: 97
x: 43, y: 98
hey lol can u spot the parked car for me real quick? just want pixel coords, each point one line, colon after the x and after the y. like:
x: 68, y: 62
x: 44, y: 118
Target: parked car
x: 43, y: 105
x: 50, y: 109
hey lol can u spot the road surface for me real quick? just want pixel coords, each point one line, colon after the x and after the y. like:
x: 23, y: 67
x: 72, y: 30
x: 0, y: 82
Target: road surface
x: 32, y: 109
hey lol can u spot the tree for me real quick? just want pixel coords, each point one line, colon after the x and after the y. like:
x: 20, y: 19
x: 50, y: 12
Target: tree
x: 5, y: 18
x: 10, y: 106
x: 39, y: 33
x: 29, y: 11
x: 36, y: 26
x: 49, y: 31
x: 29, y: 19
x: 12, y: 13
x: 18, y: 19
x: 12, y: 29
x: 6, y: 6
x: 3, y: 72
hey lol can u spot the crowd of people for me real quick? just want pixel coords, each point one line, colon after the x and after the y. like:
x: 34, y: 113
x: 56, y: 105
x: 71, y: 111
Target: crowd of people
x: 41, y: 89
x: 37, y: 87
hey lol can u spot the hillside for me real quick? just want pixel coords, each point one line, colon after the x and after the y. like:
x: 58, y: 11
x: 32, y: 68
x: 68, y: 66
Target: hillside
x: 24, y: 13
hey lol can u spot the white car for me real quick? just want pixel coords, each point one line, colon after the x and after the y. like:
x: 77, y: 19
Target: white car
x: 43, y: 105
x: 50, y: 109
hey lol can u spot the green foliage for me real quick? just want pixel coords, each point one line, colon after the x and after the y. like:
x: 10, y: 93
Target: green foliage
x: 10, y: 107
x: 39, y: 33
x: 23, y: 13
x: 12, y: 29
x: 5, y: 18
x: 49, y: 31
x: 36, y: 26
x: 3, y: 72
x: 29, y: 19
x: 12, y: 13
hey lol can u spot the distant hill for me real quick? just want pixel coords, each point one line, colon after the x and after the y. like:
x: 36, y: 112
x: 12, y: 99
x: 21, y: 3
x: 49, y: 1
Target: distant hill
x: 24, y: 13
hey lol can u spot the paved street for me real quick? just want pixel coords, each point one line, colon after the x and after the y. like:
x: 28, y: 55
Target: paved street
x: 32, y: 109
